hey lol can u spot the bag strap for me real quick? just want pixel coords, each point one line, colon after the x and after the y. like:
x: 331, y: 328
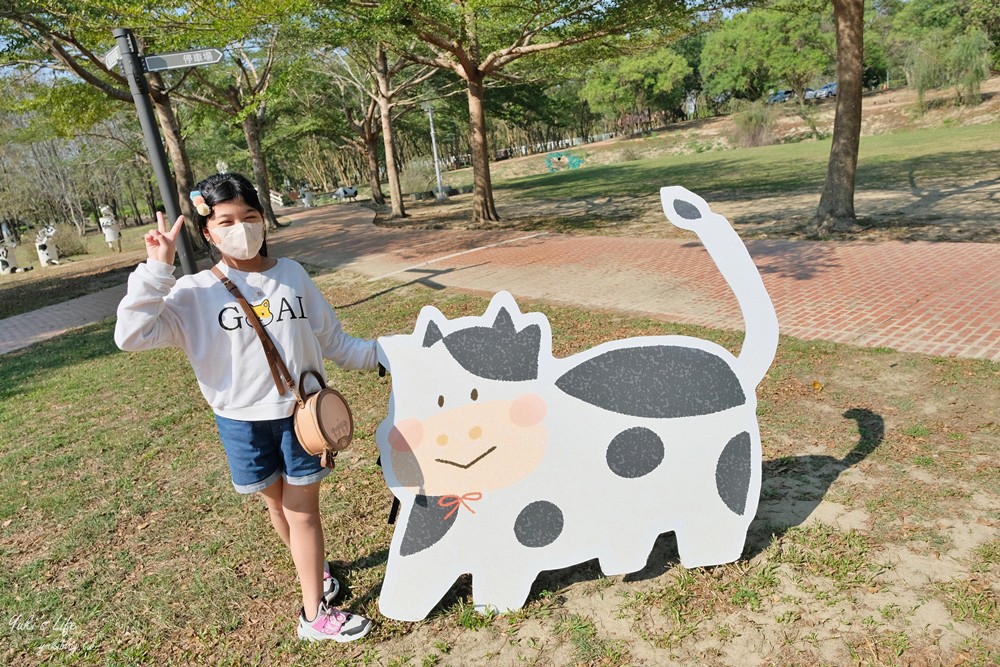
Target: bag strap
x: 279, y: 372
x: 302, y: 381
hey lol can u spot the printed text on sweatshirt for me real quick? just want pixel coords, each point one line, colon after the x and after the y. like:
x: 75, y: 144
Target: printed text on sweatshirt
x: 197, y: 314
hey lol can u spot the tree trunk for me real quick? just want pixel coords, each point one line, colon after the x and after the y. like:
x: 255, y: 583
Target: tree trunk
x: 251, y: 130
x: 391, y: 169
x: 135, y: 208
x: 836, y: 206
x: 174, y: 140
x: 151, y: 197
x: 374, y: 180
x: 388, y: 139
x: 483, y: 208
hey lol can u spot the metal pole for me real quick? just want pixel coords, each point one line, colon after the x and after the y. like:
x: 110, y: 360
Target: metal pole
x: 134, y: 72
x: 441, y: 195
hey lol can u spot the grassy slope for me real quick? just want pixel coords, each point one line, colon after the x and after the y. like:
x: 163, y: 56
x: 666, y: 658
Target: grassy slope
x: 887, y: 161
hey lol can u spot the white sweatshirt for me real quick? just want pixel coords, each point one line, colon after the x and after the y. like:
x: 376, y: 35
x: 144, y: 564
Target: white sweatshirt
x: 197, y: 314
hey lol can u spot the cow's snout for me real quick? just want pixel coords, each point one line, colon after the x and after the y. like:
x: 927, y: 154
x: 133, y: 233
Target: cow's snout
x: 475, y: 433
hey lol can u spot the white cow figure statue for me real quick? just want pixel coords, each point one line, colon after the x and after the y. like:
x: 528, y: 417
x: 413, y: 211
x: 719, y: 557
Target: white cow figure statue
x: 8, y: 260
x: 111, y: 228
x: 48, y: 254
x: 345, y: 192
x: 508, y: 461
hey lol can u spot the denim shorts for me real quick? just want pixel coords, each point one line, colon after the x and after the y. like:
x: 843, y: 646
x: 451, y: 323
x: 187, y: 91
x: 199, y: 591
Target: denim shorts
x: 259, y: 452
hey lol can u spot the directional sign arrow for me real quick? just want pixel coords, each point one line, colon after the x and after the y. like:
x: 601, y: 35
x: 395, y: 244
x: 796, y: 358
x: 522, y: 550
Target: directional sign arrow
x: 180, y: 59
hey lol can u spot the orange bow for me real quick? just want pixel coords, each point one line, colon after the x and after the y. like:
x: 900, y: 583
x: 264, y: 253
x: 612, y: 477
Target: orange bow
x: 454, y: 502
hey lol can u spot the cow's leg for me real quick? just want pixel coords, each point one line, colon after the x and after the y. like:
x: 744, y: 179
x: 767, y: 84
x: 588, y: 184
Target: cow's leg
x: 500, y: 589
x: 412, y: 587
x: 622, y: 556
x: 705, y: 545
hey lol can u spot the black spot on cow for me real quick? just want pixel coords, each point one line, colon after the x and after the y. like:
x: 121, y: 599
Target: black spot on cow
x: 635, y: 452
x: 732, y: 473
x: 425, y: 526
x: 686, y: 210
x: 655, y: 381
x: 539, y: 524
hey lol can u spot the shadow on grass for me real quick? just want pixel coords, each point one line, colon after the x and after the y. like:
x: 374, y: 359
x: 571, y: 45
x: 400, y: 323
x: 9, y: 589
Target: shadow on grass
x: 426, y: 281
x: 792, y: 487
x: 775, y: 515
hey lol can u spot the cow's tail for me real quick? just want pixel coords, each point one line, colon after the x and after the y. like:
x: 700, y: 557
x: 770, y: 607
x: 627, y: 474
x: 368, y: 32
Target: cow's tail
x: 687, y: 210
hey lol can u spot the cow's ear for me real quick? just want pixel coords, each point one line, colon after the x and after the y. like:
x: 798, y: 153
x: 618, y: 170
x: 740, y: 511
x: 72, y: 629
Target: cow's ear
x: 503, y: 322
x: 432, y: 334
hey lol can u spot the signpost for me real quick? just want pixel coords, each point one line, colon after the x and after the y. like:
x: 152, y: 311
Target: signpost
x: 135, y: 66
x: 180, y: 59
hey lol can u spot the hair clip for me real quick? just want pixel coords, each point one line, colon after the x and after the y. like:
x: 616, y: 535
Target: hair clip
x: 199, y: 203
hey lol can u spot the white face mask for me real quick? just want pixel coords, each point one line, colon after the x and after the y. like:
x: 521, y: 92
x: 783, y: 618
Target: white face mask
x: 241, y: 240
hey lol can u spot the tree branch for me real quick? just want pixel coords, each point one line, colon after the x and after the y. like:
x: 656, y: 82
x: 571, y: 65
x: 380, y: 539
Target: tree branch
x: 45, y: 41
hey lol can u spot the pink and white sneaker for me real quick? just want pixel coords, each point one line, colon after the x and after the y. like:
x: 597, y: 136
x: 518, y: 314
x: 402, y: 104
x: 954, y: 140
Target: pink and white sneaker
x: 330, y: 623
x: 331, y: 587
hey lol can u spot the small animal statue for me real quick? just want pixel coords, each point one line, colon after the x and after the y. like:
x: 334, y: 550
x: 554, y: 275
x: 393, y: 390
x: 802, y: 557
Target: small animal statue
x: 111, y: 228
x: 48, y: 253
x: 308, y: 198
x: 8, y: 260
x: 508, y: 461
x: 345, y: 193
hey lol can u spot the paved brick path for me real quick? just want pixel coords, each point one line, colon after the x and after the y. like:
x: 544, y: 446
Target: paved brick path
x: 935, y: 298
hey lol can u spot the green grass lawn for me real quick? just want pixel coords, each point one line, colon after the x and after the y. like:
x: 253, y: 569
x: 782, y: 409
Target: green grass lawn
x: 886, y: 161
x: 123, y: 542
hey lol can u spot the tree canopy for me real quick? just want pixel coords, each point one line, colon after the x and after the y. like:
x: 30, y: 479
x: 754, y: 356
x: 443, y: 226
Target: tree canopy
x: 329, y: 93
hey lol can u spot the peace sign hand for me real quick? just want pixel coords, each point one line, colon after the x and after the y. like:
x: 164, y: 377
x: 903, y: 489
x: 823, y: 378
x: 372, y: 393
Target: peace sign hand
x: 161, y: 243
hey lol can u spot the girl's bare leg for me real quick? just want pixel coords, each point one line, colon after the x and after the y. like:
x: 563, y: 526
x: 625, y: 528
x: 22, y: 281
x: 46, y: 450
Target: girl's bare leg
x: 272, y: 497
x: 301, y: 508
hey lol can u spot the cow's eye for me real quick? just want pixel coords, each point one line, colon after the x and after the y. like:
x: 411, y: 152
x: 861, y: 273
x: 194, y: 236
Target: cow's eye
x: 440, y: 401
x: 475, y: 394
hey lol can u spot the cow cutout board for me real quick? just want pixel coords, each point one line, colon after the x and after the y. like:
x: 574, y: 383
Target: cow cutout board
x: 508, y: 461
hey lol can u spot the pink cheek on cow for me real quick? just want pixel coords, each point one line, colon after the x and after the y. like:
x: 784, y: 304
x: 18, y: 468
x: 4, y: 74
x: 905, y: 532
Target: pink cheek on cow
x: 406, y: 435
x: 528, y: 410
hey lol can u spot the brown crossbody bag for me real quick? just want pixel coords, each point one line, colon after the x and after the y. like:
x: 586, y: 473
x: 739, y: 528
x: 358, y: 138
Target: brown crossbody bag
x: 323, y: 421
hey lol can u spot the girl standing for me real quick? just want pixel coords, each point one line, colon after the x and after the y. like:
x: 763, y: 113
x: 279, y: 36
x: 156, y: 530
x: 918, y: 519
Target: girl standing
x: 197, y: 314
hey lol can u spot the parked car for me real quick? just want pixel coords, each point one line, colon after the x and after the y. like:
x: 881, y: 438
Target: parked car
x: 780, y: 96
x: 810, y: 94
x: 829, y: 90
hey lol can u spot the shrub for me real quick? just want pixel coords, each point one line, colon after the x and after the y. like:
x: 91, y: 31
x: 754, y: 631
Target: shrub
x: 938, y: 59
x: 754, y: 125
x: 968, y: 65
x: 629, y: 155
x: 68, y: 241
x: 418, y: 176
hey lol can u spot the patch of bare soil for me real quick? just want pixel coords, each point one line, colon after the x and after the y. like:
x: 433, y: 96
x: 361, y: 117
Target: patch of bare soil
x: 964, y: 210
x: 875, y: 542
